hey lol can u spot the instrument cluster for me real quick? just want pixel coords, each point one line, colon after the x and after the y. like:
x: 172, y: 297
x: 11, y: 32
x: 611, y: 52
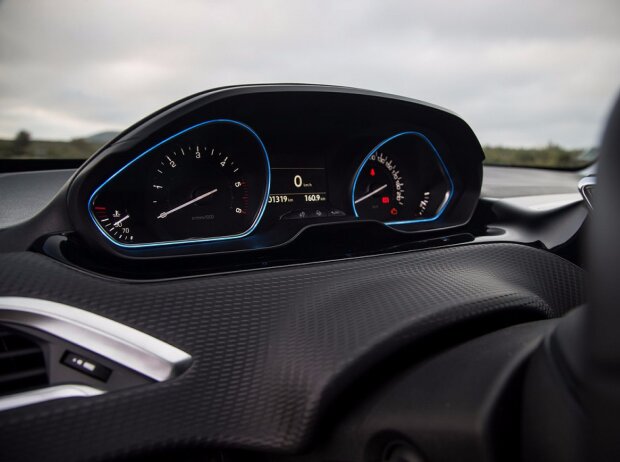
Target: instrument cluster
x: 247, y: 167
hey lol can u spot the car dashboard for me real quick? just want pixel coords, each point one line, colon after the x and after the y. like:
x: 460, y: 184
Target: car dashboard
x: 223, y: 274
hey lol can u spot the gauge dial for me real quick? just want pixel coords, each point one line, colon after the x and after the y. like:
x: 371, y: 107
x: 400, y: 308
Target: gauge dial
x: 199, y: 191
x: 116, y: 222
x: 380, y: 190
x: 208, y: 182
x: 403, y: 180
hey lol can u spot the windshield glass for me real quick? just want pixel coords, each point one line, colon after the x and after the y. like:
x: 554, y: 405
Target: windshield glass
x: 533, y: 78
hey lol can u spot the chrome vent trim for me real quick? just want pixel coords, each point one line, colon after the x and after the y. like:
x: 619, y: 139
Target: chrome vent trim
x: 110, y: 339
x: 587, y: 184
x: 47, y: 394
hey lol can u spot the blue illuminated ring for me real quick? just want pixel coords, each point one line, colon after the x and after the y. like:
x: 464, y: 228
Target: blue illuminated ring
x: 259, y: 216
x: 441, y: 162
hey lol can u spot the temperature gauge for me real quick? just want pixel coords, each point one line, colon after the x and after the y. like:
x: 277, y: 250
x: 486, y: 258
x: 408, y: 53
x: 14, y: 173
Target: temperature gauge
x: 116, y: 222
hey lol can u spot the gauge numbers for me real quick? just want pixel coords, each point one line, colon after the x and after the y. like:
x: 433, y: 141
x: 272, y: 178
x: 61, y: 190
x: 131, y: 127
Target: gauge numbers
x: 197, y: 191
x: 403, y: 180
x: 381, y: 190
x: 117, y: 222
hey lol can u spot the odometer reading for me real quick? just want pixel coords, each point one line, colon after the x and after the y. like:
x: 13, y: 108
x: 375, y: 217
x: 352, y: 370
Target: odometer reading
x: 279, y: 199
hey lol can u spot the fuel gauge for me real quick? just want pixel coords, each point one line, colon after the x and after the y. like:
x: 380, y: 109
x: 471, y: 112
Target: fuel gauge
x: 401, y: 181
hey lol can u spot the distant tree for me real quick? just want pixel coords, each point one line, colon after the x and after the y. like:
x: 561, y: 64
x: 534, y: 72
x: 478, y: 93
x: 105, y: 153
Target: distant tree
x: 21, y: 142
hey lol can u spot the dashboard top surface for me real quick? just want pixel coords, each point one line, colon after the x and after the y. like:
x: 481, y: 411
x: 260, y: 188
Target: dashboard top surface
x: 24, y: 194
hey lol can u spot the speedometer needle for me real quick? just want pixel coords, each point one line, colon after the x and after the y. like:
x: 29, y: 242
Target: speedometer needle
x: 202, y: 196
x: 371, y: 193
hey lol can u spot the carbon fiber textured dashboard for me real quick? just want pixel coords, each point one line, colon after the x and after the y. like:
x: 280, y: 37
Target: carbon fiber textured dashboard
x: 270, y: 347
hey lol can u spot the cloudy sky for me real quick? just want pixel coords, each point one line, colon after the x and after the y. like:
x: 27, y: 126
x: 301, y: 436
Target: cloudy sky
x: 523, y: 72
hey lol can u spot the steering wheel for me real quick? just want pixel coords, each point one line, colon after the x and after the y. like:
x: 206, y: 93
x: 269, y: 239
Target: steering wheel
x: 603, y: 339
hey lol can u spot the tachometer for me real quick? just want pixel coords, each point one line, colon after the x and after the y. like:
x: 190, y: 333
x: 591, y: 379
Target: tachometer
x: 402, y: 180
x: 199, y: 191
x: 208, y: 182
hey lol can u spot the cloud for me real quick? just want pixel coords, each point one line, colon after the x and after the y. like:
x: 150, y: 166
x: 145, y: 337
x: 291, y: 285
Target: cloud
x: 521, y: 73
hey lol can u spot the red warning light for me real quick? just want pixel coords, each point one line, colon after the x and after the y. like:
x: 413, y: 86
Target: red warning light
x: 393, y: 211
x: 385, y: 200
x: 372, y: 172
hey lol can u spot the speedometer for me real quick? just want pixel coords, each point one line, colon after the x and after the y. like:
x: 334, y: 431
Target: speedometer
x: 208, y: 182
x: 402, y: 180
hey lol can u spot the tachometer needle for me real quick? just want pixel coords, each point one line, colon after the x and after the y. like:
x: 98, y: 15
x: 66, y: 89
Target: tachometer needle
x: 371, y: 193
x: 120, y: 222
x: 196, y: 199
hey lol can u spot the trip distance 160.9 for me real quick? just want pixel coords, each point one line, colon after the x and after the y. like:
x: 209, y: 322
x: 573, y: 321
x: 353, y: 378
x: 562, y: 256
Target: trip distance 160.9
x: 314, y: 198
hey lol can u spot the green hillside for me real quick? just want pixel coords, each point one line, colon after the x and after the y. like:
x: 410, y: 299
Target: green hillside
x: 551, y: 156
x: 39, y: 149
x: 24, y: 147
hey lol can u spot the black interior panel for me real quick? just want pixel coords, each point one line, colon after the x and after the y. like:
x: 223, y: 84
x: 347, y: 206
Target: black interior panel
x: 272, y: 348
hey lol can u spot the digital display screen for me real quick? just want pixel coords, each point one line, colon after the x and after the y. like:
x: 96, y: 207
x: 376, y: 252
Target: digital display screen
x: 298, y: 186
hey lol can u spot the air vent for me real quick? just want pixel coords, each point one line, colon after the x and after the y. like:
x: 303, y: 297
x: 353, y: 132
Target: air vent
x: 22, y: 364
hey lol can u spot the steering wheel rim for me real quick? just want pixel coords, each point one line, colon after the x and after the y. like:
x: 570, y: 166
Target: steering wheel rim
x: 602, y: 340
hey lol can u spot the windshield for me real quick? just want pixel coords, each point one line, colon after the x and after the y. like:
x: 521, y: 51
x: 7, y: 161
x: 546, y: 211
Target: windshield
x: 534, y: 78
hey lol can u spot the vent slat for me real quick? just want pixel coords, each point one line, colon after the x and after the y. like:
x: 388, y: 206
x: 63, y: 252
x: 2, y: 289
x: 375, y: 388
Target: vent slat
x: 19, y: 353
x: 22, y: 363
x: 6, y: 378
